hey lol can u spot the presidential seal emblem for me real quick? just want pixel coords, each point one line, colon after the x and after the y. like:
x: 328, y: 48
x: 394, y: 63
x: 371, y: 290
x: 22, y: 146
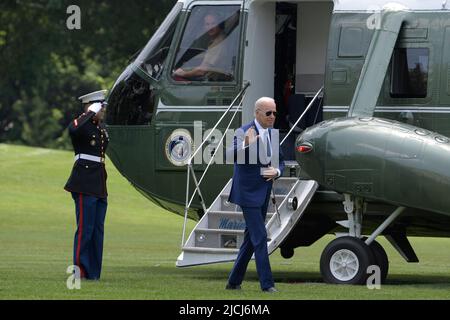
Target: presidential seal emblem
x: 179, y: 147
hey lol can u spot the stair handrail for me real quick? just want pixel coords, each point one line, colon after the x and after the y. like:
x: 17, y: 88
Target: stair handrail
x: 302, y: 115
x: 243, y: 90
x: 190, y: 169
x: 216, y: 150
x: 277, y: 213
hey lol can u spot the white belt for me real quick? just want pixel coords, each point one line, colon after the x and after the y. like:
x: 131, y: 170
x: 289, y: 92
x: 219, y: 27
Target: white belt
x: 89, y: 157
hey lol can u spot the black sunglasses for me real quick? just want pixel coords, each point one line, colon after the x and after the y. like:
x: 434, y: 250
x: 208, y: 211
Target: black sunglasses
x: 269, y: 113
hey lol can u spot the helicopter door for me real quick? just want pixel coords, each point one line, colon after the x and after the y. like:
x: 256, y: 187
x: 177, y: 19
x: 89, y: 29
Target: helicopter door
x: 300, y: 57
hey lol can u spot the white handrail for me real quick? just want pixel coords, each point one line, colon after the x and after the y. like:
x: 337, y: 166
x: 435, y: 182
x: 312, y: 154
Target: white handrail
x: 246, y: 85
x: 216, y: 150
x: 302, y: 115
x: 190, y: 169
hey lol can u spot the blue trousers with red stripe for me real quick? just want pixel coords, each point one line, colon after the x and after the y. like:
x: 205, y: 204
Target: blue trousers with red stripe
x: 88, y: 244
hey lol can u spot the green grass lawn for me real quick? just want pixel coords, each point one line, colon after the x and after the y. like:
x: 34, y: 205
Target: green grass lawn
x: 142, y: 242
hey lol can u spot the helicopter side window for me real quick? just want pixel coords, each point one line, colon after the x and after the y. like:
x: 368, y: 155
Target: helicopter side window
x: 153, y: 57
x: 210, y: 45
x: 409, y: 77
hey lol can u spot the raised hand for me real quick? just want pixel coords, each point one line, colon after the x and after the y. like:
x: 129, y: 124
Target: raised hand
x: 250, y: 136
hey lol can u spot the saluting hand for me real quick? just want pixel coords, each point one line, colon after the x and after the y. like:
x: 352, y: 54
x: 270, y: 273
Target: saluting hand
x: 95, y: 107
x: 250, y: 136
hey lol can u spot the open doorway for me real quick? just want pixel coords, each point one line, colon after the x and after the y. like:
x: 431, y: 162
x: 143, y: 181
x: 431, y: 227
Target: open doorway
x: 285, y: 58
x: 301, y: 41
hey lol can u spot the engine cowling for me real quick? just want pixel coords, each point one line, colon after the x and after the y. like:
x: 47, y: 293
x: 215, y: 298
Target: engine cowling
x: 379, y: 159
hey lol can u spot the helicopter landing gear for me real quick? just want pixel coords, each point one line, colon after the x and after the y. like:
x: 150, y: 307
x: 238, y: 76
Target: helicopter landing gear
x: 380, y: 255
x: 381, y: 259
x: 346, y: 259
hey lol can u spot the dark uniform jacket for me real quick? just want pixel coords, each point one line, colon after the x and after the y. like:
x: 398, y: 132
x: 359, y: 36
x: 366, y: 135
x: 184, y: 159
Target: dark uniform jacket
x: 91, y: 138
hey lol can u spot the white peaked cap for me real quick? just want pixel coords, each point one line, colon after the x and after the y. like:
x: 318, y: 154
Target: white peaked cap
x: 93, y: 96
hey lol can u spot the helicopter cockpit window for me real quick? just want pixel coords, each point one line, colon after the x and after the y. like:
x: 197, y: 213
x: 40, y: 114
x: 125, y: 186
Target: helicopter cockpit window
x: 409, y: 77
x: 210, y: 45
x: 153, y: 57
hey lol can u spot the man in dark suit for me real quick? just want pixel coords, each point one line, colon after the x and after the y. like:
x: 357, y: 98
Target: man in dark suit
x: 87, y: 183
x: 258, y: 161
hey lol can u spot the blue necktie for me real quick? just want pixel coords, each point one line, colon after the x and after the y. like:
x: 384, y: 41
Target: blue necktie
x: 268, y: 146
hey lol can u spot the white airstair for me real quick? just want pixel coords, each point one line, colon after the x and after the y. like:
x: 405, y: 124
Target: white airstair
x: 219, y: 234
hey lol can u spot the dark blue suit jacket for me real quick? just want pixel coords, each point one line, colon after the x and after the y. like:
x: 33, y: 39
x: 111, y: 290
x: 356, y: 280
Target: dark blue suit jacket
x: 249, y: 188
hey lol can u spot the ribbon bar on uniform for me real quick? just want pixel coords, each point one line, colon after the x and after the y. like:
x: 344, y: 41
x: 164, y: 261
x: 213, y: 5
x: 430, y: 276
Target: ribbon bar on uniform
x: 89, y: 157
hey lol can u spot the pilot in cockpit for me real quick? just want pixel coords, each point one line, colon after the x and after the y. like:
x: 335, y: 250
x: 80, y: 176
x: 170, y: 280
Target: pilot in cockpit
x: 213, y: 58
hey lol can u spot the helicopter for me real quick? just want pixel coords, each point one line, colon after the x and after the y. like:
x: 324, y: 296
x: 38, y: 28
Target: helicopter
x: 363, y: 100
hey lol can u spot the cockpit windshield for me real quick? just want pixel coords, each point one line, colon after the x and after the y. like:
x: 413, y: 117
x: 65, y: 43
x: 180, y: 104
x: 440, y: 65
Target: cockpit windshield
x: 210, y: 44
x: 152, y: 58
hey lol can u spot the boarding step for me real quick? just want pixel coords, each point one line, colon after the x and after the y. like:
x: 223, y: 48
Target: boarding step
x: 210, y: 250
x: 229, y: 220
x: 193, y: 256
x: 218, y: 238
x: 291, y: 168
x: 291, y: 164
x: 281, y: 188
x: 225, y: 205
x: 278, y: 196
x: 220, y: 232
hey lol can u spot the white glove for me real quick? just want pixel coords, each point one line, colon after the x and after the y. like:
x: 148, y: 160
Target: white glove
x: 96, y: 107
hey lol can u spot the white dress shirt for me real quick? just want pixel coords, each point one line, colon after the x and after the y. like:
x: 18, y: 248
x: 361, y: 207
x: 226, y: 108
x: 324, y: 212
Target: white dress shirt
x: 264, y: 135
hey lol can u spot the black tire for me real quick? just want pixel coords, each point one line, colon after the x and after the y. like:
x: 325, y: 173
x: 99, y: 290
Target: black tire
x: 287, y: 252
x: 381, y: 259
x: 359, y: 258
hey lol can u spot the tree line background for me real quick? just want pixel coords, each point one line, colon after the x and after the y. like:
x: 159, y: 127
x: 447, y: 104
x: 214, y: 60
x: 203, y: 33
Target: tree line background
x: 44, y: 66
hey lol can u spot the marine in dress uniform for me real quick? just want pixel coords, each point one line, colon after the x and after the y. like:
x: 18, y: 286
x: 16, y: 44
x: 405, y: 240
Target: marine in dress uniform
x: 87, y: 183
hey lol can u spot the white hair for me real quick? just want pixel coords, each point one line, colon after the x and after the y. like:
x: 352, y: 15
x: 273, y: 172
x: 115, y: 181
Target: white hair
x: 262, y: 101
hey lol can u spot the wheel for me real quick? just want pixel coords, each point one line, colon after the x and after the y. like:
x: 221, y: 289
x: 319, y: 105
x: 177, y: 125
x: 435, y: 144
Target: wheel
x: 287, y: 252
x: 345, y: 261
x: 381, y: 259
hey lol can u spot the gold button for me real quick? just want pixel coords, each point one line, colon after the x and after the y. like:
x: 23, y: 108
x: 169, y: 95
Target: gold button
x: 87, y: 167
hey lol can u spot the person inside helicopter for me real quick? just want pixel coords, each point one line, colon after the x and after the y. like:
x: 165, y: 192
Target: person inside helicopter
x: 216, y: 63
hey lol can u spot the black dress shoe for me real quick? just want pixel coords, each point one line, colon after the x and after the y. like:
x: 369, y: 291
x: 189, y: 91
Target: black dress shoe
x: 233, y: 287
x: 270, y: 290
x: 92, y: 279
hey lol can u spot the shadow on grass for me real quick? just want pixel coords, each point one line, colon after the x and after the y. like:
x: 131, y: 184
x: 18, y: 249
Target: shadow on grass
x: 220, y: 273
x: 212, y: 273
x: 419, y: 279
